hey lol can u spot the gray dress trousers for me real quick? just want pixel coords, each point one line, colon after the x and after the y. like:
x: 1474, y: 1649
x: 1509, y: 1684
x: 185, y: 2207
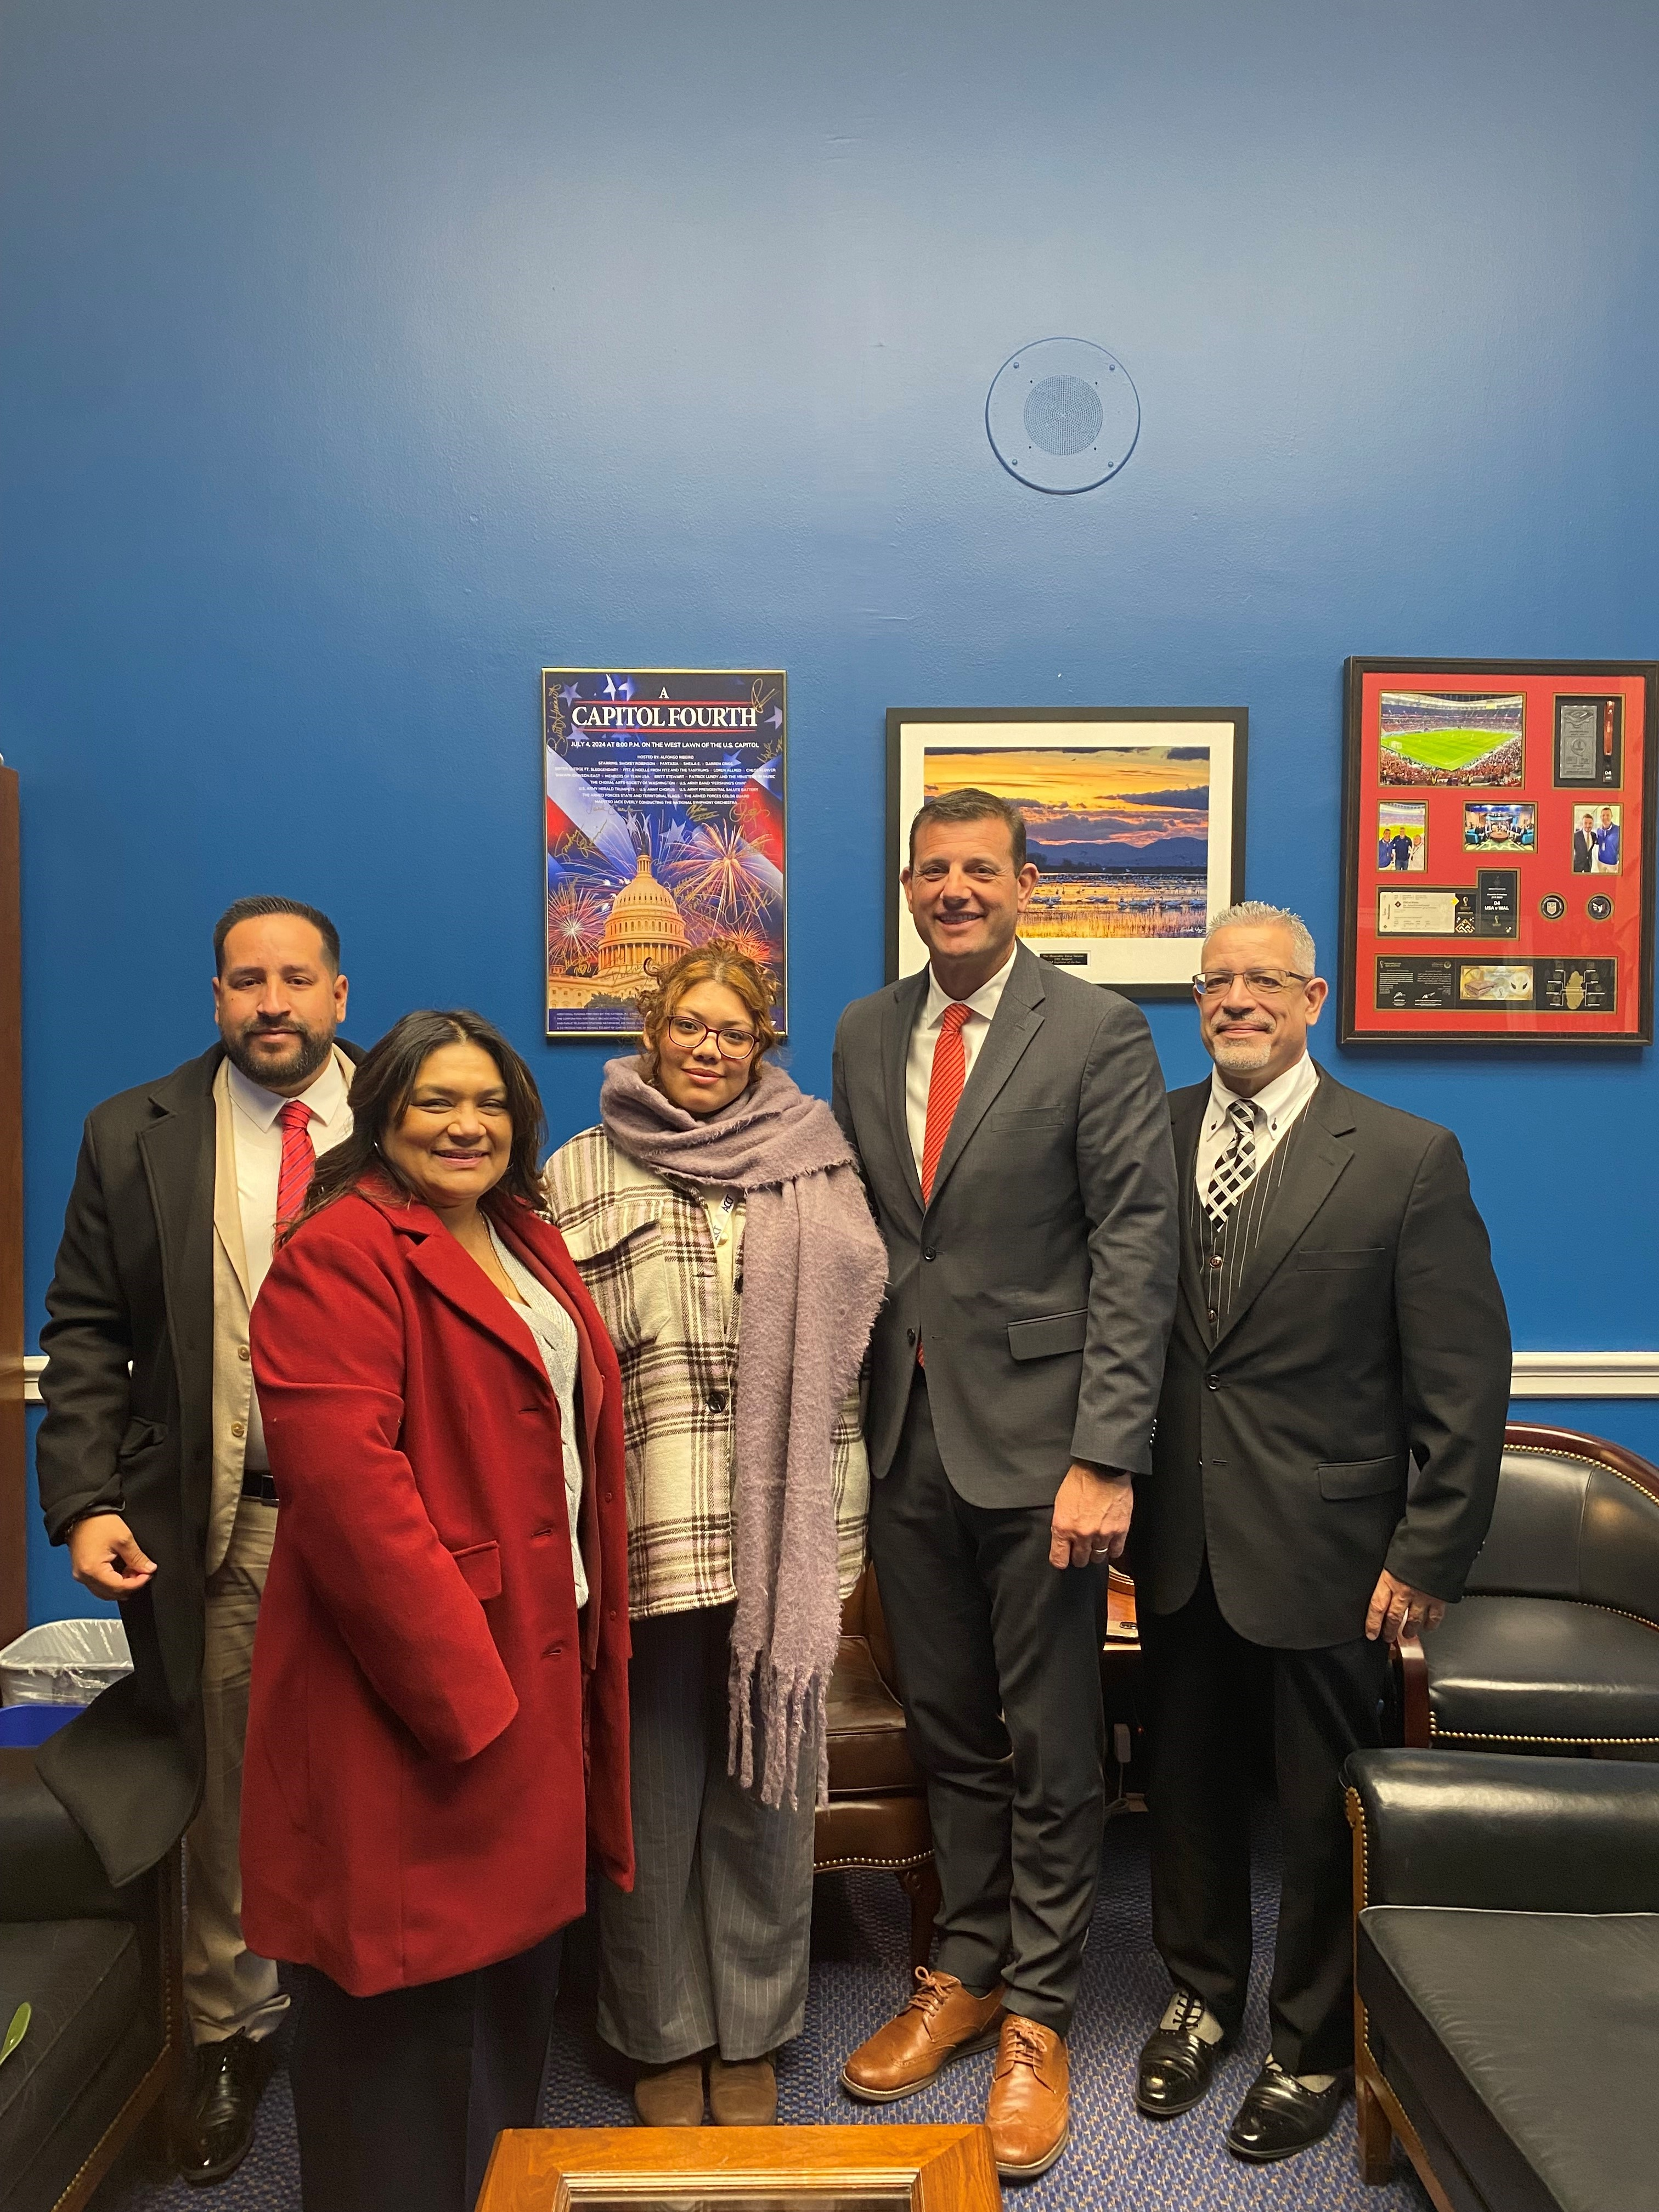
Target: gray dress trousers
x: 710, y: 1949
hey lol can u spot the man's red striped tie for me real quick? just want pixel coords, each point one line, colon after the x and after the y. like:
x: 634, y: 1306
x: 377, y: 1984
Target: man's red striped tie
x: 299, y: 1161
x: 945, y: 1085
x: 943, y: 1090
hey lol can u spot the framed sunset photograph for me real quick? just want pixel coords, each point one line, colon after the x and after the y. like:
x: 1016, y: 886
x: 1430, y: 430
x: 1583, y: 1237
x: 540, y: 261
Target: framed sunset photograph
x: 1135, y: 819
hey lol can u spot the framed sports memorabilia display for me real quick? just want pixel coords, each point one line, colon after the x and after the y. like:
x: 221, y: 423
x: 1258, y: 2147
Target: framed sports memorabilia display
x: 663, y: 796
x: 1498, y: 852
x: 1134, y: 817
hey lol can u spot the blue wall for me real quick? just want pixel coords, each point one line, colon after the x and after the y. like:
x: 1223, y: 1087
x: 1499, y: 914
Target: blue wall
x: 356, y: 359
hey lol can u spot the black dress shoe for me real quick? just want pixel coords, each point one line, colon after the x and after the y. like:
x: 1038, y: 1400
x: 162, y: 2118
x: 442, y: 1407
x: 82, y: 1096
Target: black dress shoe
x: 218, y: 2130
x: 1175, y: 2064
x: 1280, y: 2117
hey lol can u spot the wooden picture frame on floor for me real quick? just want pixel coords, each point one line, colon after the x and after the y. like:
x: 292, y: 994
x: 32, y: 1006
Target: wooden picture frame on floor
x: 815, y: 2169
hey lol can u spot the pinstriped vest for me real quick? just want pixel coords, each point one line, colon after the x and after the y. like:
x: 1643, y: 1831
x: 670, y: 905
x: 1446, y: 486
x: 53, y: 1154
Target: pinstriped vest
x: 1224, y: 1253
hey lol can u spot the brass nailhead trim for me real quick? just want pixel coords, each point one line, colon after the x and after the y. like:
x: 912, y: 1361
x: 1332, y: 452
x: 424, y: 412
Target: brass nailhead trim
x: 1479, y: 1735
x: 1550, y: 1451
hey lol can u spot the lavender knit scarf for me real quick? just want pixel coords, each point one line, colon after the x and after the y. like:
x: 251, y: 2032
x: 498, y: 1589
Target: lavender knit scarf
x: 814, y: 1274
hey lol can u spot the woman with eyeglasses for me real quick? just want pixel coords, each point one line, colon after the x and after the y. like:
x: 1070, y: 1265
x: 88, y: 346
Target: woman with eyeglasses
x: 717, y: 1217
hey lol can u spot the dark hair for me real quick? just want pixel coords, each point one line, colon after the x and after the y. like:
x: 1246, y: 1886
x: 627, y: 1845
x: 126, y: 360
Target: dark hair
x: 382, y: 1090
x: 250, y: 909
x: 719, y: 961
x: 972, y: 805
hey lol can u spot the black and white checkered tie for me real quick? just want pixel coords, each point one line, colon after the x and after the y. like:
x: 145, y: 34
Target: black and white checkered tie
x: 1235, y: 1168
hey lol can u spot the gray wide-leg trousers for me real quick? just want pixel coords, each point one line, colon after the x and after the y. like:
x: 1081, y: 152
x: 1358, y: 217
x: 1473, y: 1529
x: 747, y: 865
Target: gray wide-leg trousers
x: 710, y: 1947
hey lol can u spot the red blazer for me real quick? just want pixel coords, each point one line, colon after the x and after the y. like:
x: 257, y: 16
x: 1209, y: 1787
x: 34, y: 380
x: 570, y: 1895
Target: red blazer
x: 434, y: 1735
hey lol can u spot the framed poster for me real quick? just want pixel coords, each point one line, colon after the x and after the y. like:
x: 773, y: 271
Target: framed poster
x: 1133, y: 815
x: 663, y: 793
x: 1498, y: 851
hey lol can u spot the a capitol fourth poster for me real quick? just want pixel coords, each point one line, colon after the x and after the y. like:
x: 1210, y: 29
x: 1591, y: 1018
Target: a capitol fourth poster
x: 664, y: 790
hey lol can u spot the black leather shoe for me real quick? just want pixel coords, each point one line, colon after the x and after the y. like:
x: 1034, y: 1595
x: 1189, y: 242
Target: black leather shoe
x: 1175, y: 2064
x: 1280, y: 2117
x: 218, y: 2130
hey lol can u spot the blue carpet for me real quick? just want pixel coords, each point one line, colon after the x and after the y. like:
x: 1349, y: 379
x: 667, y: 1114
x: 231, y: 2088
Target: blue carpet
x: 861, y: 1946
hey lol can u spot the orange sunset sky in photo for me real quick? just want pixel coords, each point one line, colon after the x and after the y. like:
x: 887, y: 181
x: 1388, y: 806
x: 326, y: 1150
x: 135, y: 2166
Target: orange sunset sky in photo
x: 1129, y: 796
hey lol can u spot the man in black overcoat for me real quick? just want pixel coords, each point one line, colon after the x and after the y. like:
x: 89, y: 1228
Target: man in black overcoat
x: 151, y: 1461
x: 1323, y: 1473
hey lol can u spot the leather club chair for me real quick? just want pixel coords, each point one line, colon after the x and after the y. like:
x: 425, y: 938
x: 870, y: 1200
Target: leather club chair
x: 877, y: 1815
x: 1555, y: 1647
x: 1506, y: 1959
x: 105, y: 2053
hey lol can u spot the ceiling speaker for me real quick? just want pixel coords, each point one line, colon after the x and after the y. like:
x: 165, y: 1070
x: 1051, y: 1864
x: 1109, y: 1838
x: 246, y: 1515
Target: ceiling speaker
x: 1062, y: 414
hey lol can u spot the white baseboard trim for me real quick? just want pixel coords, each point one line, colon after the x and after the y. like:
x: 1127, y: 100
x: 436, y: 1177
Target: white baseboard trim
x: 1586, y: 1375
x: 1537, y: 1375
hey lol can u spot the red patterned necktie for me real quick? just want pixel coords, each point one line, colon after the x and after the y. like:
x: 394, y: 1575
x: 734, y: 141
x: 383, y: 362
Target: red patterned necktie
x: 943, y: 1090
x: 299, y: 1161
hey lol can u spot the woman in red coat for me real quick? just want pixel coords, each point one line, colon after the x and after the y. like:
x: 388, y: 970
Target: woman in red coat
x: 438, y: 1733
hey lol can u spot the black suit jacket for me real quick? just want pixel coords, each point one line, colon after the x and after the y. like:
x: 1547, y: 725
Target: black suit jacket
x: 134, y: 1284
x: 1350, y: 1417
x: 1042, y: 1274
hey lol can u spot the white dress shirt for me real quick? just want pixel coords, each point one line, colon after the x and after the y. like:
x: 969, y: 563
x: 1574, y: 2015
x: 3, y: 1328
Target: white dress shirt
x: 556, y: 1341
x: 1276, y: 1109
x: 924, y: 1039
x: 259, y: 1139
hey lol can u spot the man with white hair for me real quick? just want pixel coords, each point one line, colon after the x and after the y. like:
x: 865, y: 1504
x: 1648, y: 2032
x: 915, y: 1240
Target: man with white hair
x: 1323, y: 1471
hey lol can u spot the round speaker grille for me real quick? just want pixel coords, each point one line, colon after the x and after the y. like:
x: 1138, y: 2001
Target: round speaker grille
x: 1062, y: 414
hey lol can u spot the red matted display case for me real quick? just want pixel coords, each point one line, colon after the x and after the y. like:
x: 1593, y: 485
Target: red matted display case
x: 1498, y: 852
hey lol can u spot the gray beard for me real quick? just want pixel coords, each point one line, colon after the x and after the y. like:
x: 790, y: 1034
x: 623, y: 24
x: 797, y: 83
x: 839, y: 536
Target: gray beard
x: 1229, y: 1055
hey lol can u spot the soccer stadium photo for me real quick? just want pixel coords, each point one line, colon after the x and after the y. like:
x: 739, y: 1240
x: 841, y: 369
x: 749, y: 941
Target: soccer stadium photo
x: 1467, y: 739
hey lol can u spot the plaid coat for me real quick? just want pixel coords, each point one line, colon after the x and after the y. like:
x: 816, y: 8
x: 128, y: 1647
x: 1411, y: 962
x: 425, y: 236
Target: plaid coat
x: 646, y: 1254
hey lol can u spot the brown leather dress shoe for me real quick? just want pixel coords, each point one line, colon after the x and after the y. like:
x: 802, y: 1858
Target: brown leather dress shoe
x: 670, y: 2096
x: 942, y: 2022
x: 743, y: 2094
x: 1029, y: 2110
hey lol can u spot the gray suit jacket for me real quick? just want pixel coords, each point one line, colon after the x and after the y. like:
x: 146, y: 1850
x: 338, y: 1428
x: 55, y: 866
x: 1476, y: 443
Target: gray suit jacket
x: 1351, y: 1415
x: 1041, y: 1277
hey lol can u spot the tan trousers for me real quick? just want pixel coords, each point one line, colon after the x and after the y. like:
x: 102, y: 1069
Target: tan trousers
x: 226, y: 1987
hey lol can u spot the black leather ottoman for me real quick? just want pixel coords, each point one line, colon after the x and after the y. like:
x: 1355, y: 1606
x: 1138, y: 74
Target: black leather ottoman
x: 1524, y: 2048
x: 1506, y: 1953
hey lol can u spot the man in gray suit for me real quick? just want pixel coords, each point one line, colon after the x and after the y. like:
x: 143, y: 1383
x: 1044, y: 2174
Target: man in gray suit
x: 1329, y: 1440
x: 1011, y: 1126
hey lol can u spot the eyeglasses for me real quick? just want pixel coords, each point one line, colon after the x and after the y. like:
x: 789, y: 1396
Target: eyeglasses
x: 733, y: 1044
x: 1259, y: 982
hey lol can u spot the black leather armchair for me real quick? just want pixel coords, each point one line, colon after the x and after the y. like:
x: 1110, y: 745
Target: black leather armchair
x: 1506, y: 1961
x: 101, y: 1968
x: 1555, y: 1646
